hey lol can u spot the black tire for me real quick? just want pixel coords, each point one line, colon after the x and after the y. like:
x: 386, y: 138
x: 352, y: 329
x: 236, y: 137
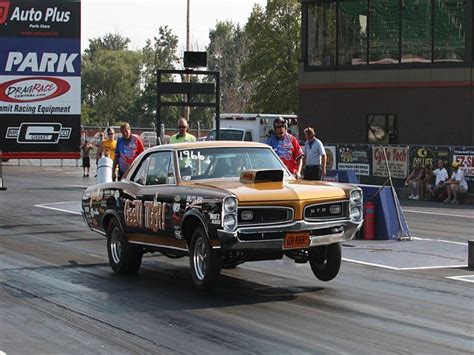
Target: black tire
x: 123, y: 257
x: 204, y: 261
x: 325, y: 261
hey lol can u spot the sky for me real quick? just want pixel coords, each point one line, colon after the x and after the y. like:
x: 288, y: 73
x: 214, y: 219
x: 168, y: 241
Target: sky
x: 139, y: 20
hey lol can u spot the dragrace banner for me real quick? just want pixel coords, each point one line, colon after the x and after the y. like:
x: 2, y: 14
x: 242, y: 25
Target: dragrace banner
x: 40, y: 78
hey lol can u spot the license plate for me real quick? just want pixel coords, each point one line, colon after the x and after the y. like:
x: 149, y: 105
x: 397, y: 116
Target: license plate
x: 296, y: 240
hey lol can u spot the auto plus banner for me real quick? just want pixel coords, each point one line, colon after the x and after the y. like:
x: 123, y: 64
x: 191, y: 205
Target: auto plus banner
x: 40, y: 78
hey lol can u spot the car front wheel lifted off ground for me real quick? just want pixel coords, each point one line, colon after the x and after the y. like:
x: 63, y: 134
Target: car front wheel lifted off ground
x: 325, y: 261
x: 123, y: 257
x: 204, y: 261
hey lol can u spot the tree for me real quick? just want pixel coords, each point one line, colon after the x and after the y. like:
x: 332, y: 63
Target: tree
x: 227, y: 51
x: 161, y: 53
x: 272, y: 62
x: 110, y: 42
x: 110, y: 81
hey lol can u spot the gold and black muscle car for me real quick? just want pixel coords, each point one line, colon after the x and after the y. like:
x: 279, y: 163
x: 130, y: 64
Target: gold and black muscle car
x: 221, y: 204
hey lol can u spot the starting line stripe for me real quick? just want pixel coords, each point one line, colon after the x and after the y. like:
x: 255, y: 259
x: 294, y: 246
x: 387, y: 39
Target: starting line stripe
x: 465, y: 278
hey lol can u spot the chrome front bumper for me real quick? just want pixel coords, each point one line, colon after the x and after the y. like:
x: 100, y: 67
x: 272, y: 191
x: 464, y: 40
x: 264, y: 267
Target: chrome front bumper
x: 340, y: 231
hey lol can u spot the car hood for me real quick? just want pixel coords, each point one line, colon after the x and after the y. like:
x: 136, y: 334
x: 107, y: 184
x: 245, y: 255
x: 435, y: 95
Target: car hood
x: 291, y: 190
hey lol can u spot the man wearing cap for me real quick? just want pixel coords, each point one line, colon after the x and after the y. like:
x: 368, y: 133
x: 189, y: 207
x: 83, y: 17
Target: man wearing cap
x: 286, y: 146
x: 456, y: 185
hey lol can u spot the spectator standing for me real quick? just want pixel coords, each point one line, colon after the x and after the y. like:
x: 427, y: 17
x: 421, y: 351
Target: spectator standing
x: 441, y: 175
x: 86, y: 148
x: 456, y: 185
x: 128, y: 147
x: 314, y: 155
x: 286, y: 146
x: 182, y: 136
x: 98, y: 142
x: 108, y: 145
x: 413, y: 180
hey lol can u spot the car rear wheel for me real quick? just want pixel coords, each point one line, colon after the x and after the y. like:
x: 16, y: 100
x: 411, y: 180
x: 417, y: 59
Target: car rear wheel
x: 123, y: 257
x: 204, y: 261
x: 325, y: 261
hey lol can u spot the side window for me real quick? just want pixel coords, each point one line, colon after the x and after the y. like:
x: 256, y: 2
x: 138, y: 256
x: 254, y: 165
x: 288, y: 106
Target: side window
x: 140, y: 175
x: 159, y: 169
x: 248, y: 136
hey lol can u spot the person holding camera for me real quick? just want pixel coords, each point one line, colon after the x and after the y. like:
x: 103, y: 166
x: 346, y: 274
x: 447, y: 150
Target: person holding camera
x: 286, y: 146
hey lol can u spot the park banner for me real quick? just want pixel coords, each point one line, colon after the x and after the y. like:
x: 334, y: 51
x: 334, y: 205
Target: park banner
x: 397, y: 159
x: 40, y: 78
x: 465, y: 157
x: 354, y: 157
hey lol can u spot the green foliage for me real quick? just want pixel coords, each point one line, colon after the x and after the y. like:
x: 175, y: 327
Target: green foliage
x: 272, y: 63
x: 258, y: 66
x: 161, y: 53
x: 227, y: 51
x: 110, y: 85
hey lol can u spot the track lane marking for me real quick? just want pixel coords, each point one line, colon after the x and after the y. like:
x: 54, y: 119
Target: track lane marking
x: 438, y: 214
x: 465, y: 278
x: 439, y: 240
x: 58, y: 209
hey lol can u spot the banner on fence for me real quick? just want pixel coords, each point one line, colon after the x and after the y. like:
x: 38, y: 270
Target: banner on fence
x: 354, y: 157
x: 397, y: 158
x: 428, y: 155
x: 465, y: 157
x: 330, y: 157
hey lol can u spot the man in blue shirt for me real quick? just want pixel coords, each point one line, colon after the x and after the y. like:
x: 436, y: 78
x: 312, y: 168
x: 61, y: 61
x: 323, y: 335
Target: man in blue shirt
x: 315, y: 156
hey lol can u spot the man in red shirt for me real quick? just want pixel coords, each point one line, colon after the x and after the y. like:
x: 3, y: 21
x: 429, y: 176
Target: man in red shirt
x: 286, y: 146
x: 128, y: 147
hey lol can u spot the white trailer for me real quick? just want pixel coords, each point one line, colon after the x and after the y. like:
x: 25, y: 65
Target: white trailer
x: 250, y: 126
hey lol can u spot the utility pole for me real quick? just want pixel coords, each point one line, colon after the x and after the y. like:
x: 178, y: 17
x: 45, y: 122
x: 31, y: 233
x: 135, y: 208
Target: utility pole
x: 187, y: 108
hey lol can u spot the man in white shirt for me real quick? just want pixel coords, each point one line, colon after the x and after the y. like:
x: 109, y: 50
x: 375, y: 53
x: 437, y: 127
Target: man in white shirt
x: 456, y: 185
x: 315, y: 156
x: 441, y: 175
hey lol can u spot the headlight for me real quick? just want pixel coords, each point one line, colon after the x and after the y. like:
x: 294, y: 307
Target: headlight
x: 356, y: 213
x: 230, y: 205
x: 356, y: 196
x: 230, y: 222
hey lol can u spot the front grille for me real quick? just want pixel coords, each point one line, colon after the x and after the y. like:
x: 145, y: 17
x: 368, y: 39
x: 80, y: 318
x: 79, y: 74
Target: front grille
x: 248, y: 216
x: 251, y: 237
x: 326, y: 211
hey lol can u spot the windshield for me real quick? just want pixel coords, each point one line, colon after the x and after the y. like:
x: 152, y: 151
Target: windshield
x: 227, y: 135
x: 214, y: 163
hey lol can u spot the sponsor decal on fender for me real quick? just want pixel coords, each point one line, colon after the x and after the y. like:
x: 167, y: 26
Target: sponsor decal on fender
x: 33, y: 89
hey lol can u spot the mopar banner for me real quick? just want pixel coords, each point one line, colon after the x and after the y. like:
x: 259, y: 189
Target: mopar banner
x: 354, y: 157
x: 428, y: 155
x: 40, y: 78
x: 397, y: 158
x: 465, y: 157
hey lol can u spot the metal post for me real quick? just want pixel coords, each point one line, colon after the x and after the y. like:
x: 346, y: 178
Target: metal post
x: 158, y: 105
x: 218, y: 107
